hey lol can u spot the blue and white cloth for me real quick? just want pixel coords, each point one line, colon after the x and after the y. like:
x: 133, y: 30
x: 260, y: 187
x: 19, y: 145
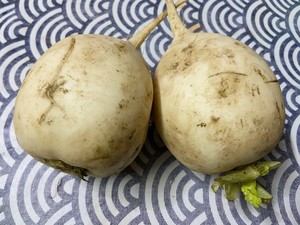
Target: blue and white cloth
x: 155, y: 188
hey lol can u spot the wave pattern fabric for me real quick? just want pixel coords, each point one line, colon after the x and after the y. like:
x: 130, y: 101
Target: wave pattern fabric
x: 155, y: 188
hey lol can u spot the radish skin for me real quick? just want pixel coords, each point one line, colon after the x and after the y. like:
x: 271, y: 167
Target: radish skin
x: 217, y: 104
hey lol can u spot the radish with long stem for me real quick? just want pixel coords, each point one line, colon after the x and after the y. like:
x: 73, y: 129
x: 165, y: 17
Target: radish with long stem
x: 84, y: 107
x: 217, y: 104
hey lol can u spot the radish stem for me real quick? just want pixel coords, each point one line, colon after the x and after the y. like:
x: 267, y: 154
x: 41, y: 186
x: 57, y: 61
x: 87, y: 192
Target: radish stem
x: 140, y: 37
x: 177, y: 27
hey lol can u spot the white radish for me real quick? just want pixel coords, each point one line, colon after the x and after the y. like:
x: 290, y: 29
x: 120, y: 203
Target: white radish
x: 85, y: 105
x: 217, y: 104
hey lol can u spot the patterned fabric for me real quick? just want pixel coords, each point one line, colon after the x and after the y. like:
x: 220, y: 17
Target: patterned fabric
x: 155, y: 188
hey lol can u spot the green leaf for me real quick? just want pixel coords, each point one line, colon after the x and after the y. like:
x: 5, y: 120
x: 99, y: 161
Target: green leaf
x: 231, y: 191
x: 250, y: 193
x: 236, y: 176
x: 265, y: 166
x: 263, y: 194
x: 244, y: 177
x: 215, y: 186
